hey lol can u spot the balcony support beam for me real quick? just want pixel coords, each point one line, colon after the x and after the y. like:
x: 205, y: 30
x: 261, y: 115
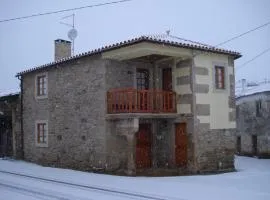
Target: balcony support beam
x: 129, y: 127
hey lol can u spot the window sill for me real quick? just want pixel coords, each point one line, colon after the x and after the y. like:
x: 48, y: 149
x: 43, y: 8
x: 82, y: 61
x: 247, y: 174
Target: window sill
x: 43, y: 145
x: 42, y: 97
x: 220, y: 90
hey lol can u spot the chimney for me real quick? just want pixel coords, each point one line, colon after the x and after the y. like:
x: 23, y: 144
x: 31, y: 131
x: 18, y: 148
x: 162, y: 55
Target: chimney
x: 62, y: 49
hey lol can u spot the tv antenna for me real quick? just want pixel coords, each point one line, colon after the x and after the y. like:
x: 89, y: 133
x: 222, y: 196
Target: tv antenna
x: 72, y: 33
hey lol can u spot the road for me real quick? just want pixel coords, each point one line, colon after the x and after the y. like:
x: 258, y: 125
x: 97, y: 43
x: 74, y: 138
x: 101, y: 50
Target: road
x: 22, y: 186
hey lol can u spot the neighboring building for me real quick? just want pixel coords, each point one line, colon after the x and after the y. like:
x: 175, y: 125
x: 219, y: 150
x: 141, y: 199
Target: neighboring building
x: 10, y: 128
x: 142, y: 106
x: 253, y: 120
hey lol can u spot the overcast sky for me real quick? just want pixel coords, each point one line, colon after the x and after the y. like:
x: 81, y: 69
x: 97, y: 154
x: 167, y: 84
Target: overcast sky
x: 28, y: 43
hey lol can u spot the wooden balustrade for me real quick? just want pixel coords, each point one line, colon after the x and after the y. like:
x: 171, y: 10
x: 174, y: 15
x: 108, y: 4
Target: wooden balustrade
x: 141, y: 101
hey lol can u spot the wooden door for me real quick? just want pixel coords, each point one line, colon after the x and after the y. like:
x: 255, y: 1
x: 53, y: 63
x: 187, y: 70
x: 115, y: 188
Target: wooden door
x: 181, y: 145
x: 167, y: 79
x: 167, y: 86
x: 143, y: 147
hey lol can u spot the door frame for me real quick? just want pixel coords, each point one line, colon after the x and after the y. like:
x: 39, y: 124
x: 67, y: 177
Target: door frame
x: 169, y: 63
x: 150, y: 148
x: 162, y: 77
x: 174, y: 144
x: 254, y: 142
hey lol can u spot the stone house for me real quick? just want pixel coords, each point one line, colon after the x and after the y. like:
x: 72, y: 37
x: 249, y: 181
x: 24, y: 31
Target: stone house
x: 253, y: 120
x: 10, y: 128
x: 143, y: 106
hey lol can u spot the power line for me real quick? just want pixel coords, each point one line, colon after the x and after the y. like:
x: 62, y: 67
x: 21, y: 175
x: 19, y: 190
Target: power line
x: 242, y: 34
x: 65, y: 10
x: 226, y: 41
x: 254, y: 58
x: 191, y: 41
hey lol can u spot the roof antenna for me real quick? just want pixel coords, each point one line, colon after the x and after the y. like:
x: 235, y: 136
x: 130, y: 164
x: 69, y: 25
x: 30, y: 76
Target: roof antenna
x: 72, y: 33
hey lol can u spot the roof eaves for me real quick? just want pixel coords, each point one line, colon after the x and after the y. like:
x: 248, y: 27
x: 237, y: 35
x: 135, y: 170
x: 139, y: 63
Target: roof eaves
x: 253, y: 94
x: 130, y: 42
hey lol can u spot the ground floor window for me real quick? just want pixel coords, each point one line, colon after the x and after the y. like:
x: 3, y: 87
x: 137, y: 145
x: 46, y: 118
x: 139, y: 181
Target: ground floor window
x: 41, y: 133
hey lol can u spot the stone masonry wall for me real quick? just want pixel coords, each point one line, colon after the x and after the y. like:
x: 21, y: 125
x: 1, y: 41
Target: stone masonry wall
x: 75, y: 110
x: 253, y: 121
x: 215, y: 149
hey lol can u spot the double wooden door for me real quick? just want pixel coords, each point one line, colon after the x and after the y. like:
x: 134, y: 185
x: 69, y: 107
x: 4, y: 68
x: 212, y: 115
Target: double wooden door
x: 181, y: 142
x: 143, y: 147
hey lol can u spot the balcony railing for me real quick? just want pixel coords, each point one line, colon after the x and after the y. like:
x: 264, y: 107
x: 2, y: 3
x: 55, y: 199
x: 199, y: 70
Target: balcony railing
x: 141, y: 101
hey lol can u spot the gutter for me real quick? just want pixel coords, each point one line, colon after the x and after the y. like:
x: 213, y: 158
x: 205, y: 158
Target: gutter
x: 22, y: 133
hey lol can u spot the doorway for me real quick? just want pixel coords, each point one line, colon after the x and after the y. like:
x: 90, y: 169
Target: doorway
x: 143, y: 147
x: 254, y: 145
x: 167, y: 79
x: 181, y: 142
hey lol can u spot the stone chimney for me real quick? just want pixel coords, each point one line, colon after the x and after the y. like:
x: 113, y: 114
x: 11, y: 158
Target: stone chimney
x: 62, y: 49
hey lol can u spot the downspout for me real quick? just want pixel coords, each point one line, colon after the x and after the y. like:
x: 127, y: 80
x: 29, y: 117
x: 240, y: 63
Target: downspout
x: 22, y: 135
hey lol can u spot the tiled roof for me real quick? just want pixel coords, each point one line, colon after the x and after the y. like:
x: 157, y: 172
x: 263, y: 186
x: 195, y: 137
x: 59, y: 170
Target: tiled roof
x: 171, y: 42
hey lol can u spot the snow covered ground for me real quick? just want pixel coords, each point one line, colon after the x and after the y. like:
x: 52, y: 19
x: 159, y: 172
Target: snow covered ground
x: 252, y: 181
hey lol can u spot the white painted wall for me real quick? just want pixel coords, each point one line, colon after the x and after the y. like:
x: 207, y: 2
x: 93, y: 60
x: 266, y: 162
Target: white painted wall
x: 218, y: 99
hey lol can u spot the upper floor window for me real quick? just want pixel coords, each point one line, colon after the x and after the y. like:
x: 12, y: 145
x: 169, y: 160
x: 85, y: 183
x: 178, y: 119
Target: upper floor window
x: 142, y: 76
x: 258, y: 108
x: 41, y: 133
x: 220, y: 77
x: 41, y: 85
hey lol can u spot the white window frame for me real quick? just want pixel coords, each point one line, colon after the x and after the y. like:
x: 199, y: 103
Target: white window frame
x: 37, y: 86
x: 220, y: 78
x: 226, y: 77
x: 46, y: 133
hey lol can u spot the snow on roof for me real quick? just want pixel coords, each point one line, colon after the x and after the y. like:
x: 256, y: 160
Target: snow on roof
x: 262, y: 87
x: 164, y: 39
x: 8, y: 93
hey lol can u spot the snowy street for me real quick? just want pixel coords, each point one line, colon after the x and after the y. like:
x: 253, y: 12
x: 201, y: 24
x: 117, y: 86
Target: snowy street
x: 32, y: 182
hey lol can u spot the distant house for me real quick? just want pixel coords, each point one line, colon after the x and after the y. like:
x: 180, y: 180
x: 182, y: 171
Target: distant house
x: 10, y: 129
x: 142, y: 106
x: 253, y: 120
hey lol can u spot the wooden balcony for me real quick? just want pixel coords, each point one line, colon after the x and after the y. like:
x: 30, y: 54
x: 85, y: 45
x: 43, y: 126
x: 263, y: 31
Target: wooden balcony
x: 141, y: 101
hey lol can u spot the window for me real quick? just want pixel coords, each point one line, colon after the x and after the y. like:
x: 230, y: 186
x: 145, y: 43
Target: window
x: 142, y: 79
x: 41, y: 135
x: 258, y: 108
x: 41, y: 85
x: 220, y: 77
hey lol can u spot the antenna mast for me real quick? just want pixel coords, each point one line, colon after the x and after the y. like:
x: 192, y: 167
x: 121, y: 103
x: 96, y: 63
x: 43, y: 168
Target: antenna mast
x: 72, y: 33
